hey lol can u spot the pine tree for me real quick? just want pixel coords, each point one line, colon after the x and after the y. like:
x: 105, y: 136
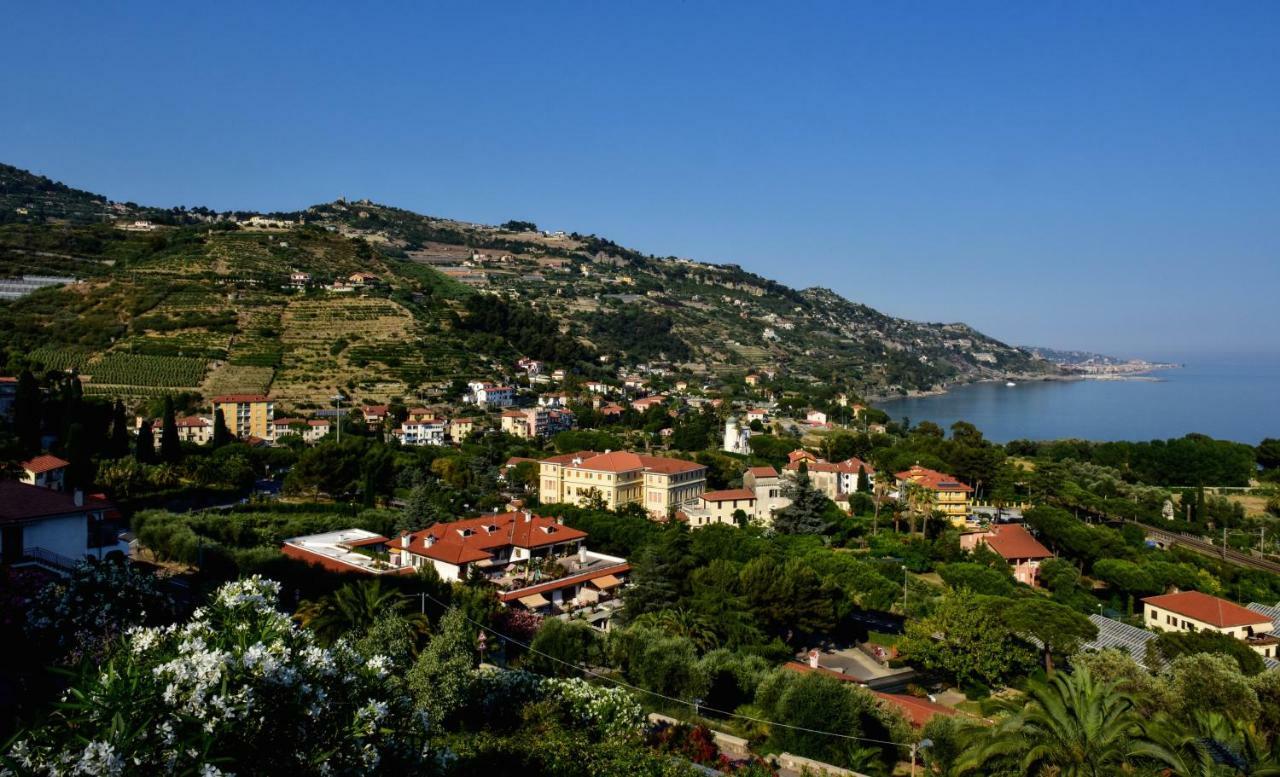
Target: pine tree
x: 118, y: 447
x: 807, y: 512
x: 170, y: 449
x: 221, y: 434
x: 146, y: 449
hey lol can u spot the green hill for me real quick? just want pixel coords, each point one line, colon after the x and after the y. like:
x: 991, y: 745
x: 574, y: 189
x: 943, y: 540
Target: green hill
x: 206, y: 305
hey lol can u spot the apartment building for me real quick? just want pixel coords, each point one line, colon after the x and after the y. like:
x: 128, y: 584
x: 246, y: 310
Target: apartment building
x: 1195, y: 611
x: 950, y: 496
x: 246, y: 415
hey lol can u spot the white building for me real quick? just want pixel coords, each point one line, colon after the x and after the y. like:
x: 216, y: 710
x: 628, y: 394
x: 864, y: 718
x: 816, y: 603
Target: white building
x: 736, y: 438
x: 489, y: 395
x: 45, y: 471
x: 421, y: 432
x: 46, y: 527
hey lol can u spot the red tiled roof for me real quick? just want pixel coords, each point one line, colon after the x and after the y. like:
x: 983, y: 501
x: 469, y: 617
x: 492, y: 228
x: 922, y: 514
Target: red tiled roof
x: 317, y: 422
x: 509, y: 529
x: 763, y: 472
x: 44, y: 463
x: 194, y: 422
x: 1207, y: 609
x: 625, y: 461
x: 1014, y: 542
x: 729, y: 494
x: 7, y: 379
x: 848, y: 466
x: 288, y: 421
x: 917, y: 711
x: 515, y: 460
x: 25, y: 502
x: 375, y: 410
x: 932, y: 479
x: 238, y: 398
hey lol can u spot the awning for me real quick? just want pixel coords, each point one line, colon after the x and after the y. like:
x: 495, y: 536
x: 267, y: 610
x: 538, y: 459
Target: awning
x: 534, y: 600
x: 606, y: 582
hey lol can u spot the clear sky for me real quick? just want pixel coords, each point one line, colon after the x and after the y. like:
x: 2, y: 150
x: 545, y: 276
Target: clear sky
x: 1100, y: 175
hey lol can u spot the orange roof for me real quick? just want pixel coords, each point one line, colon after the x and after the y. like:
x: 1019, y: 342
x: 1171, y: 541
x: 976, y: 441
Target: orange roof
x: 729, y: 494
x: 44, y: 463
x: 564, y: 582
x: 238, y: 398
x: 1207, y: 609
x: 472, y: 539
x: 1014, y: 542
x: 848, y: 466
x: 763, y: 472
x: 932, y: 479
x: 194, y: 421
x: 917, y: 711
x: 625, y: 461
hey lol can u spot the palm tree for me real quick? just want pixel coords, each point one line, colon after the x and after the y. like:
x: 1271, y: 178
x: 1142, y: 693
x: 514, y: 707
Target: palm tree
x: 682, y: 623
x: 919, y: 504
x: 1069, y: 726
x: 1209, y: 745
x: 353, y: 608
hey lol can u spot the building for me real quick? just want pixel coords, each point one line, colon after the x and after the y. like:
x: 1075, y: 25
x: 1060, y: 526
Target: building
x: 734, y: 506
x: 597, y: 387
x: 316, y: 430
x: 375, y: 416
x: 950, y: 496
x: 757, y: 414
x: 40, y: 525
x: 641, y: 405
x: 420, y: 414
x: 816, y: 418
x: 194, y: 429
x: 8, y: 393
x: 346, y: 550
x: 619, y: 478
x: 766, y: 484
x: 45, y: 471
x: 1015, y: 545
x: 421, y: 432
x: 752, y: 379
x: 1195, y: 611
x: 246, y: 415
x: 554, y: 399
x: 489, y: 395
x: 736, y: 439
x: 299, y: 280
x: 461, y: 428
x: 836, y: 480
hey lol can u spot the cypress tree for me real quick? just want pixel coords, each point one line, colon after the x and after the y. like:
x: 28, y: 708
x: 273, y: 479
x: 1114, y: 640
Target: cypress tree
x: 118, y: 447
x: 170, y: 450
x: 864, y: 482
x: 221, y: 434
x: 27, y: 412
x: 146, y: 450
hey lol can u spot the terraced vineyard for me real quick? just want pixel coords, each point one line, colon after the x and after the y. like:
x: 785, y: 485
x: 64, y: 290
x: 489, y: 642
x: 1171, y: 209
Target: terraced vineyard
x: 127, y: 369
x: 55, y: 357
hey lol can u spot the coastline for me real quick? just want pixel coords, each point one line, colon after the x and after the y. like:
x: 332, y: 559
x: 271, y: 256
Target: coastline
x: 1135, y: 372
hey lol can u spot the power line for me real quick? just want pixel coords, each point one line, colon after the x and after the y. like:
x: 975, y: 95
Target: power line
x: 683, y: 702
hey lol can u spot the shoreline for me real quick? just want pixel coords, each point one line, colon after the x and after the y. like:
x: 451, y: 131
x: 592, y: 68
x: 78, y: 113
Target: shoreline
x: 1141, y: 373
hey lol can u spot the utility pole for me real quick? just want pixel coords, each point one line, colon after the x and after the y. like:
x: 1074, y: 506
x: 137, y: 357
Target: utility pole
x: 1224, y: 543
x: 338, y: 418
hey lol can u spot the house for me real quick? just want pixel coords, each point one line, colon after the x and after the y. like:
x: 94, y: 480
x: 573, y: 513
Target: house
x: 195, y: 429
x: 489, y: 395
x: 949, y: 495
x: 299, y: 280
x: 734, y: 506
x: 558, y: 375
x: 816, y: 418
x: 736, y: 439
x: 363, y: 279
x: 246, y: 414
x: 1015, y: 545
x: 757, y: 414
x: 641, y: 405
x: 45, y: 471
x: 611, y: 410
x: 554, y: 399
x: 421, y: 415
x: 425, y: 432
x: 375, y: 416
x: 766, y: 484
x: 597, y: 387
x: 752, y: 379
x: 346, y: 550
x: 618, y: 478
x: 634, y: 382
x: 536, y: 422
x: 282, y: 427
x: 461, y: 428
x: 40, y: 525
x: 316, y: 430
x: 530, y: 366
x: 1195, y: 611
x: 836, y: 480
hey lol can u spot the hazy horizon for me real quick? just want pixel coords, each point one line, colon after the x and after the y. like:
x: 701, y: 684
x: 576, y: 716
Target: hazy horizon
x: 1072, y: 177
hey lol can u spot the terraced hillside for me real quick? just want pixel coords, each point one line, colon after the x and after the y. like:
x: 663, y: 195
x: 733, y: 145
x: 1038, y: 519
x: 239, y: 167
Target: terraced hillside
x: 208, y: 305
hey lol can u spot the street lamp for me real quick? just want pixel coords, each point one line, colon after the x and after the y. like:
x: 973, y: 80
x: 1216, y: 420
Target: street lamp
x: 338, y: 418
x: 918, y: 746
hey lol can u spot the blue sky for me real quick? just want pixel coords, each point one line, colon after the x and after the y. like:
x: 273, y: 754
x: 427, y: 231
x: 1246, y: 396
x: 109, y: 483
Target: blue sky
x: 1091, y: 175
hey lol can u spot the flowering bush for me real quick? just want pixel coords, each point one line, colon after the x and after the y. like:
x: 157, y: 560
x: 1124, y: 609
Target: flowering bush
x: 601, y: 712
x: 237, y: 688
x: 79, y: 616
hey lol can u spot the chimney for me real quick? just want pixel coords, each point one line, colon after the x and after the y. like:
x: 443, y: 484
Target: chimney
x: 528, y: 516
x: 582, y: 554
x: 430, y: 540
x: 607, y: 451
x: 78, y: 497
x: 560, y: 521
x: 404, y: 540
x: 813, y: 659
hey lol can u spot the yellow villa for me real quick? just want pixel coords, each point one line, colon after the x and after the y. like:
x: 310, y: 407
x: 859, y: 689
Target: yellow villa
x: 950, y: 496
x: 246, y: 415
x: 619, y: 478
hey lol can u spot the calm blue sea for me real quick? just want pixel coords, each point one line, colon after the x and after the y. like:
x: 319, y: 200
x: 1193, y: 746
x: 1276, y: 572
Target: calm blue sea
x: 1233, y: 398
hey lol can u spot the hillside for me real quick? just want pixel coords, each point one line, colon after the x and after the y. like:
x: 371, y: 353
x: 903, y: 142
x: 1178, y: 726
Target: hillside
x: 206, y: 305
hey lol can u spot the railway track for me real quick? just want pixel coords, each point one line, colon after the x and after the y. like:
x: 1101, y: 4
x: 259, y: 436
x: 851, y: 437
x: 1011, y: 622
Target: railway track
x: 1206, y: 548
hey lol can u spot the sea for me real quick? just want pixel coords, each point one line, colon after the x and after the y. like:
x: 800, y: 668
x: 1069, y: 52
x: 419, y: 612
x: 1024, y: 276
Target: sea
x: 1228, y: 397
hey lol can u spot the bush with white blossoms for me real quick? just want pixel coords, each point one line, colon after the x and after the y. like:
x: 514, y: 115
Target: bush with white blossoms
x: 238, y: 688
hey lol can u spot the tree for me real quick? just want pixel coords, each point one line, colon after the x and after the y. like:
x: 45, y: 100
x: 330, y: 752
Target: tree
x: 807, y: 513
x: 1054, y: 626
x: 967, y: 637
x: 789, y: 598
x: 1268, y: 453
x: 864, y: 482
x: 353, y: 608
x: 1072, y: 725
x: 560, y: 647
x: 80, y: 469
x: 170, y: 449
x: 1168, y: 645
x: 27, y: 412
x: 442, y: 676
x: 118, y: 447
x: 660, y: 573
x: 221, y: 434
x: 145, y: 452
